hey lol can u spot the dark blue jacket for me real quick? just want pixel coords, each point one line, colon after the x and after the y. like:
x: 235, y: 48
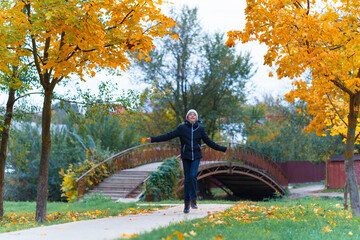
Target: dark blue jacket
x: 190, y: 138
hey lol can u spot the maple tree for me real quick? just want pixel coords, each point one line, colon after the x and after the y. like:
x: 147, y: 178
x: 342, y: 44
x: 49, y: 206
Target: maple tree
x: 320, y: 38
x: 15, y: 84
x: 14, y: 79
x: 76, y: 37
x: 4, y: 131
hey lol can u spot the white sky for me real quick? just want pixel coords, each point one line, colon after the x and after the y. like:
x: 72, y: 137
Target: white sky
x: 215, y: 16
x: 226, y: 15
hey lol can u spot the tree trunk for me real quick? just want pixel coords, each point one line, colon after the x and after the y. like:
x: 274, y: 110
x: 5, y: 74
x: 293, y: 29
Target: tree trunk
x: 349, y: 160
x: 44, y: 160
x: 4, y: 143
x: 346, y: 196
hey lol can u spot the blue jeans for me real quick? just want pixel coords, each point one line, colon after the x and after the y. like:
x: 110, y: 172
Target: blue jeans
x: 190, y: 183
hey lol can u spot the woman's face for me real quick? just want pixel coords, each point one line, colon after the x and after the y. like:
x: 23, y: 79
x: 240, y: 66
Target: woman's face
x: 192, y: 117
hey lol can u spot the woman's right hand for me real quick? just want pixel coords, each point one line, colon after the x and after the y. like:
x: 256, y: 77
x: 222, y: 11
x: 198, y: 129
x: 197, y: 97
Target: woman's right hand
x: 148, y: 139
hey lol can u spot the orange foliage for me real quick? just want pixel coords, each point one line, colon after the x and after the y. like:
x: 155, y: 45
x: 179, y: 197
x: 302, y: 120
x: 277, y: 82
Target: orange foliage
x: 77, y: 37
x: 315, y: 37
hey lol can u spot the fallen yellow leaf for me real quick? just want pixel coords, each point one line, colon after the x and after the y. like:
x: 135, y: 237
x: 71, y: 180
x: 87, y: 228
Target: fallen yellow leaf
x: 218, y: 237
x: 327, y: 229
x: 192, y: 233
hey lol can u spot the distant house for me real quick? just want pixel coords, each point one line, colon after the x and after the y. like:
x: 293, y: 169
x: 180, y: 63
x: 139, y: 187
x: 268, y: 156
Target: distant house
x: 336, y: 170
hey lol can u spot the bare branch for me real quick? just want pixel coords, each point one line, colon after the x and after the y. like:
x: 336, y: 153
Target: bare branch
x: 25, y: 95
x: 356, y: 137
x: 342, y: 87
x: 308, y: 7
x: 336, y: 110
x: 34, y: 48
x: 46, y: 49
x: 128, y: 15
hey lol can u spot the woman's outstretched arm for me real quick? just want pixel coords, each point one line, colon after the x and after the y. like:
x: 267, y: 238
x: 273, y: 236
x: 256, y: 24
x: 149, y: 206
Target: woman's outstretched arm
x: 211, y: 143
x: 166, y: 136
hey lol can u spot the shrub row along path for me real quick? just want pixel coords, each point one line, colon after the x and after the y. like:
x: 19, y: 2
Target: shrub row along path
x: 114, y: 227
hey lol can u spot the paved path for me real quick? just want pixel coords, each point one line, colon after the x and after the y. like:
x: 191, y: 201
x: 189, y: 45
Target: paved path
x: 115, y: 227
x: 312, y: 191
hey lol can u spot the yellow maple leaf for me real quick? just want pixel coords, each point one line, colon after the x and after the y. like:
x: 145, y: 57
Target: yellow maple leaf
x: 326, y: 229
x: 192, y: 233
x: 175, y: 36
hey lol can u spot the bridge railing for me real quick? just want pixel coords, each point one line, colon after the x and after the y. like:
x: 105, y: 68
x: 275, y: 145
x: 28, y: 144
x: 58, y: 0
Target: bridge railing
x: 130, y: 158
x: 155, y: 152
x: 246, y: 155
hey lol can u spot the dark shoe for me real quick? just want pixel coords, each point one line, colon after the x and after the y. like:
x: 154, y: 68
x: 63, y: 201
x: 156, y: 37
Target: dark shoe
x: 193, y: 204
x: 187, y: 207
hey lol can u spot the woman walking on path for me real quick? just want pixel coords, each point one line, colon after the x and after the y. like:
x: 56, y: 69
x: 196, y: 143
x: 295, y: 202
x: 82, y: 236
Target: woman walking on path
x: 191, y: 133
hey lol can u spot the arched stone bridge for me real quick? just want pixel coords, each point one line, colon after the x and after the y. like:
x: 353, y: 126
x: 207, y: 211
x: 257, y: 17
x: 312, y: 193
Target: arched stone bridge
x: 248, y: 173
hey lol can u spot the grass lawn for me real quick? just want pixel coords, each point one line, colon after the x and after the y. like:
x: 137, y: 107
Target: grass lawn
x: 21, y: 215
x: 308, y: 218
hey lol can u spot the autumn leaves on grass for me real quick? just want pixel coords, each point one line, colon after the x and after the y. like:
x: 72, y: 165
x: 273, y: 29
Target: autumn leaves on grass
x: 266, y: 221
x: 17, y: 221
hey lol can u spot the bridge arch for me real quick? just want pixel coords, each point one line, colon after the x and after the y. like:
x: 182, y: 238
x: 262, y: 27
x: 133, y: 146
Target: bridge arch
x: 243, y: 181
x: 247, y: 172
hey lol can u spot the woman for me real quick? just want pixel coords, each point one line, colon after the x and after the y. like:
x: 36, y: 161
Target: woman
x: 191, y: 133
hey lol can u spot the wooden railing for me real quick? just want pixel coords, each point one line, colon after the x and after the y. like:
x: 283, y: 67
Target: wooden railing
x: 156, y: 152
x: 130, y: 158
x: 240, y: 153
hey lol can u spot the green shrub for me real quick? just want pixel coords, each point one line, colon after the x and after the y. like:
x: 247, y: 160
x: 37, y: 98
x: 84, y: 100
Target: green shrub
x: 162, y: 184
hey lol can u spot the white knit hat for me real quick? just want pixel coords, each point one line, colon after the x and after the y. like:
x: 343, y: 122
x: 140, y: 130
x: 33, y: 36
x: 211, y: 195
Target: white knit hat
x: 194, y: 111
